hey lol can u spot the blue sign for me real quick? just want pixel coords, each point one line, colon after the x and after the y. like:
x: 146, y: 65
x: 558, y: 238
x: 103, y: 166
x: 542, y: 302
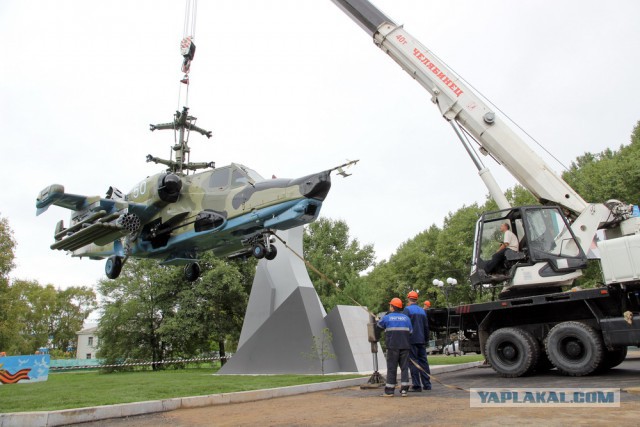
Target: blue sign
x: 24, y: 369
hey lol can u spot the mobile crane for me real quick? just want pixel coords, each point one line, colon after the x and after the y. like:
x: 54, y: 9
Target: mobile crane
x: 535, y: 326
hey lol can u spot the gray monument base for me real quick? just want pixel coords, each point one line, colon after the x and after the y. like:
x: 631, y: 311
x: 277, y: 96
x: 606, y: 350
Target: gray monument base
x: 348, y: 325
x: 285, y: 322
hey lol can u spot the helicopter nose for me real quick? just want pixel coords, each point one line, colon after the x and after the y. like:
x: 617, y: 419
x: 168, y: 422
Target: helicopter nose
x: 316, y: 186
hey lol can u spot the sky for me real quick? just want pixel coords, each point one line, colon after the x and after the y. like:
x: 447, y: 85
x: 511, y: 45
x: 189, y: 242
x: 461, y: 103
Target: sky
x: 292, y: 87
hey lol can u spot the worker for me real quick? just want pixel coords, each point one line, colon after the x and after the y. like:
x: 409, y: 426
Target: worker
x: 427, y: 305
x: 398, y: 330
x: 418, y: 364
x: 509, y: 243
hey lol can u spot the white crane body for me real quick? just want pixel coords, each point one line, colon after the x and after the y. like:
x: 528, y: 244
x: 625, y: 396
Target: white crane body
x: 459, y: 104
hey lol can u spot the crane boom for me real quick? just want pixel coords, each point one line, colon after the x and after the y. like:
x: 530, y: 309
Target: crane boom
x: 552, y: 249
x: 459, y: 103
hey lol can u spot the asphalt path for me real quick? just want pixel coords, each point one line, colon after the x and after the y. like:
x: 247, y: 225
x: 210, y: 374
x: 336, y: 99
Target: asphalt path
x: 625, y: 375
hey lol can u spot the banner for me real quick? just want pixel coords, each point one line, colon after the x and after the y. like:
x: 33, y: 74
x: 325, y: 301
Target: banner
x: 24, y: 369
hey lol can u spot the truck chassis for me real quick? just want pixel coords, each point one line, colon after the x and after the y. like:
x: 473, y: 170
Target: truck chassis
x: 578, y: 332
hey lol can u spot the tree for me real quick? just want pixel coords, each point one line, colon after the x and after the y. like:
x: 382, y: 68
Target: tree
x: 42, y: 316
x: 72, y: 307
x: 150, y: 312
x: 26, y: 322
x: 321, y: 348
x: 7, y: 246
x: 210, y: 310
x: 328, y: 248
x: 455, y: 251
x: 603, y: 176
x: 7, y: 323
x: 436, y: 253
x: 413, y: 266
x: 135, y: 306
x: 608, y: 174
x: 516, y: 196
x: 447, y: 251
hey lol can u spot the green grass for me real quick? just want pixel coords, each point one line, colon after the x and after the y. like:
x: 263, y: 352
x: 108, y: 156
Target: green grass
x: 441, y: 359
x: 82, y: 389
x: 78, y: 389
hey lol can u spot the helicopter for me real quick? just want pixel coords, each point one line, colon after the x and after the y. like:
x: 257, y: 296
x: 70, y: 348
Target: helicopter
x: 173, y: 216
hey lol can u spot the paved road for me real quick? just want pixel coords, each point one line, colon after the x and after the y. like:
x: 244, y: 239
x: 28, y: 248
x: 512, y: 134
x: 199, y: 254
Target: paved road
x: 441, y: 406
x: 624, y: 376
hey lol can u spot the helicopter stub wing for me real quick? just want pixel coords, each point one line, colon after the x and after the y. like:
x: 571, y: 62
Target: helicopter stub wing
x: 95, y: 220
x: 55, y: 195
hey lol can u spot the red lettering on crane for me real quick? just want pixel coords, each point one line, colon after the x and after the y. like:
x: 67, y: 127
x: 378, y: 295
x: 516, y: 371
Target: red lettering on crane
x: 438, y: 73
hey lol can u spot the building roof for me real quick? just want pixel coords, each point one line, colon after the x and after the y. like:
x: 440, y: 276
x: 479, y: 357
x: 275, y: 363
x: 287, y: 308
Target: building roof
x: 88, y: 331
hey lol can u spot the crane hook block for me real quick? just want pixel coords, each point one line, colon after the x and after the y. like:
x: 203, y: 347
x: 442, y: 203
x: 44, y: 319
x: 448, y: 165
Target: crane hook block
x: 188, y: 51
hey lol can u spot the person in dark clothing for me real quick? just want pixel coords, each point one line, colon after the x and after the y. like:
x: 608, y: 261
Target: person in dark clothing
x: 398, y: 330
x: 419, y: 339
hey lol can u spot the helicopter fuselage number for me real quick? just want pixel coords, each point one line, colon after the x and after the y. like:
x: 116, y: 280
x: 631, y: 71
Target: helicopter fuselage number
x: 139, y: 190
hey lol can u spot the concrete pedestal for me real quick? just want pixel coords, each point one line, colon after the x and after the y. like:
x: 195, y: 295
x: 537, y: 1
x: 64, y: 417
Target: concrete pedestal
x: 284, y: 316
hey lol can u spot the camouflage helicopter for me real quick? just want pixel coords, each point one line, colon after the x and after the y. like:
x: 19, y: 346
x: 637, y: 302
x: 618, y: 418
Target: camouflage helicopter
x: 173, y: 216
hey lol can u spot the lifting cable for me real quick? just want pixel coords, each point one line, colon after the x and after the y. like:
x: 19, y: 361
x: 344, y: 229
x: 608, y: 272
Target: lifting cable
x: 324, y: 277
x: 187, y: 46
x: 187, y: 50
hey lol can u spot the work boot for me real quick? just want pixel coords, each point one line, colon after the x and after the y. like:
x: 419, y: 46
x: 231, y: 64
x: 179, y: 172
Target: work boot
x: 388, y: 392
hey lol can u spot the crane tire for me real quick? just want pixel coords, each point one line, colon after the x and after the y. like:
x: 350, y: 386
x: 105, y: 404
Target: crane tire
x: 612, y: 358
x: 511, y: 352
x: 575, y: 348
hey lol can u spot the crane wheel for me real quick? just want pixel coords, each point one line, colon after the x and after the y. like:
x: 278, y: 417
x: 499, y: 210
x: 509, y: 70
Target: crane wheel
x: 575, y: 348
x: 612, y: 358
x: 511, y: 352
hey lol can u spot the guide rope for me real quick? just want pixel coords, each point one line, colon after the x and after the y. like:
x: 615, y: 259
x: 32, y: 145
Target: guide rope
x: 324, y: 277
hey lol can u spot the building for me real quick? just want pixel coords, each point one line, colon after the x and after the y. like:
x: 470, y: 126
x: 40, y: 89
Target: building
x: 87, y: 343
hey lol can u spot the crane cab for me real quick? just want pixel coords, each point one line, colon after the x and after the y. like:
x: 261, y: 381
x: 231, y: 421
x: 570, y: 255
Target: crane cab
x: 548, y: 254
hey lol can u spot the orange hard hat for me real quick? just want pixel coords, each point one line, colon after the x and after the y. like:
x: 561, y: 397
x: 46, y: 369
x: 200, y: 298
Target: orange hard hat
x: 396, y: 302
x: 427, y: 303
x: 412, y: 295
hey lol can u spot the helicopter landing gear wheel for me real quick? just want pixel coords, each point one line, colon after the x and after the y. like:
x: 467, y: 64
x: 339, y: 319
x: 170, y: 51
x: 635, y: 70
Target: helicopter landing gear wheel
x: 192, y: 271
x: 258, y: 251
x: 271, y: 253
x: 113, y: 266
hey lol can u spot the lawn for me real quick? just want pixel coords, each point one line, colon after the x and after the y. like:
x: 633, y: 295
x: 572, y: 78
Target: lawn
x: 79, y: 389
x: 441, y: 359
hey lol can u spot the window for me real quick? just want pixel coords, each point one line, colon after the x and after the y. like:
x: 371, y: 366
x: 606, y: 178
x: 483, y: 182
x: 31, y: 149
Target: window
x: 219, y: 178
x: 548, y: 233
x: 90, y: 341
x: 238, y: 178
x: 88, y: 355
